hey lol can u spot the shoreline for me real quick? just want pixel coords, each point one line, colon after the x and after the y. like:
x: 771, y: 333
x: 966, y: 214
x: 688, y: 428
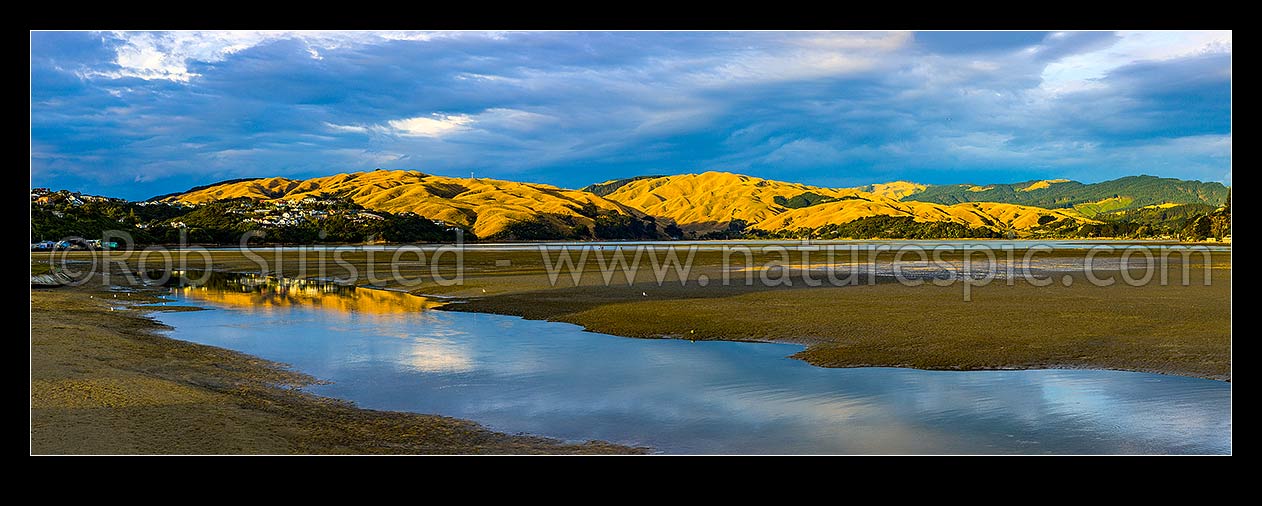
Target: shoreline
x: 107, y: 381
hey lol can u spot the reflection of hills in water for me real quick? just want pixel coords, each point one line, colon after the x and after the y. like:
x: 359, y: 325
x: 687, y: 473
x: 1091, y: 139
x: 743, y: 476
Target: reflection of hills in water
x: 261, y: 292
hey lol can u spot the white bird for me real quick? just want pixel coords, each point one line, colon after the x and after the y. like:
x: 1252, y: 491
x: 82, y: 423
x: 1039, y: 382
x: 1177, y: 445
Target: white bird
x: 483, y: 290
x: 644, y: 294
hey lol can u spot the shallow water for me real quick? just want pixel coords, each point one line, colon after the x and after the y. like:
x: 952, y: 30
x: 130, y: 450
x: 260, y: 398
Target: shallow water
x: 393, y: 351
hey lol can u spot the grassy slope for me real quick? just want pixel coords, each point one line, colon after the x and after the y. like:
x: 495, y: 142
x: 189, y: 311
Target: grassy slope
x: 895, y: 189
x: 710, y: 201
x: 1094, y: 209
x: 104, y: 382
x: 489, y: 206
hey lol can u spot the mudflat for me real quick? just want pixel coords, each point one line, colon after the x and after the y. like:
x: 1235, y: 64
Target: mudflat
x: 105, y: 381
x: 1174, y: 328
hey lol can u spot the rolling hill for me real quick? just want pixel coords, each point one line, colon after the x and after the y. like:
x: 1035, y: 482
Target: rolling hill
x: 896, y: 190
x: 711, y: 201
x: 490, y: 208
x: 720, y: 201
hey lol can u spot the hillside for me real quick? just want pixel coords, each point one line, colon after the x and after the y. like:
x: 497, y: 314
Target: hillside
x: 711, y: 201
x: 718, y: 202
x: 489, y: 208
x: 612, y: 185
x: 896, y: 190
x: 1090, y: 199
x: 721, y: 204
x: 990, y: 215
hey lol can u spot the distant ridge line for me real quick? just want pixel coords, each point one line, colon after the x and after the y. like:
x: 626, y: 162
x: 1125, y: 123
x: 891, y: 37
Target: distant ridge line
x: 203, y: 187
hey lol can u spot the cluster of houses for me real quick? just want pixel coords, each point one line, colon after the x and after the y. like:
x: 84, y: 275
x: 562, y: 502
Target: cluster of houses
x: 45, y: 196
x: 74, y: 244
x: 298, y: 211
x: 292, y: 212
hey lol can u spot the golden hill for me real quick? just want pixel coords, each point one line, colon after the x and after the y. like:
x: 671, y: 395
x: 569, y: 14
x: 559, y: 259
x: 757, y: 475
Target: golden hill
x: 973, y: 214
x: 1039, y: 185
x: 895, y: 190
x: 711, y: 200
x: 697, y: 203
x: 486, y: 206
x: 708, y: 202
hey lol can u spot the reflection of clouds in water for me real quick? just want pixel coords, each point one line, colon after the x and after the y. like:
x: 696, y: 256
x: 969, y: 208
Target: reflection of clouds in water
x: 943, y: 398
x: 427, y: 342
x: 438, y: 356
x: 1131, y: 405
x: 711, y: 397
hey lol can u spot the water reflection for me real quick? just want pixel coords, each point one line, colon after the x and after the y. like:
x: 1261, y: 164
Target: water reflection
x: 676, y: 396
x: 258, y: 292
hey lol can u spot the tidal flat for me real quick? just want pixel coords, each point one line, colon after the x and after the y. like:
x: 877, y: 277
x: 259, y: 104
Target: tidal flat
x: 1172, y: 327
x: 103, y: 380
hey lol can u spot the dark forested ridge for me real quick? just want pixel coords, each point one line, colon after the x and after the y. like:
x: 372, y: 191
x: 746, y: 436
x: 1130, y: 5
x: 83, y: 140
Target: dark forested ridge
x: 608, y: 187
x: 1131, y: 192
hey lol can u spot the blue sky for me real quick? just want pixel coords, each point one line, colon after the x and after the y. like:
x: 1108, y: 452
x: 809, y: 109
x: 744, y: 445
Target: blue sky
x: 137, y: 114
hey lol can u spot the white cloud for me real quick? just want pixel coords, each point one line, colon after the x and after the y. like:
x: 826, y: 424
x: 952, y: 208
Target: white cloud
x: 778, y: 57
x: 435, y: 125
x: 494, y: 120
x: 1080, y: 71
x: 357, y: 129
x: 471, y: 76
x: 168, y: 55
x: 803, y: 57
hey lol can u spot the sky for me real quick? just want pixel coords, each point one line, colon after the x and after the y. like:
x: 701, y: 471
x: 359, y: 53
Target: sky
x: 138, y: 114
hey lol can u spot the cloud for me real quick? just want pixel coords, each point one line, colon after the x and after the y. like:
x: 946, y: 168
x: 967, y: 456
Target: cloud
x: 169, y: 55
x: 569, y: 108
x: 1084, y: 69
x: 354, y: 129
x: 436, y: 125
x: 799, y: 57
x: 805, y: 152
